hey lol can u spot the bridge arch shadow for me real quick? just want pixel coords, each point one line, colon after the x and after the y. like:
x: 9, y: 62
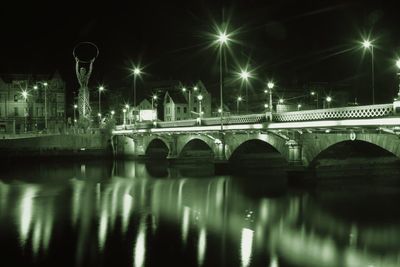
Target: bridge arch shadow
x: 157, y: 149
x: 354, y: 158
x: 256, y: 154
x: 198, y: 149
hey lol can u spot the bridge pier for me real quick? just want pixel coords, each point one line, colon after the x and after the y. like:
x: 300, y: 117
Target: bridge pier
x: 294, y: 149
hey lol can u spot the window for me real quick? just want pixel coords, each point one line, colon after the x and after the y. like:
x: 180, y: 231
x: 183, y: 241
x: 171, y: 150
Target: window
x: 16, y: 111
x: 184, y: 110
x: 178, y: 110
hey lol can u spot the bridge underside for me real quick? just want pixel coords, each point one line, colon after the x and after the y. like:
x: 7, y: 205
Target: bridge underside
x: 290, y: 149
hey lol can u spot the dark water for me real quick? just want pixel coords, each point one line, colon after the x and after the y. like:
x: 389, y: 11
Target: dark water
x: 102, y: 213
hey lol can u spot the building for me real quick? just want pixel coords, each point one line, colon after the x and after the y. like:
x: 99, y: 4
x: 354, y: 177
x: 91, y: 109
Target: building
x: 31, y: 102
x: 182, y: 103
x: 175, y: 106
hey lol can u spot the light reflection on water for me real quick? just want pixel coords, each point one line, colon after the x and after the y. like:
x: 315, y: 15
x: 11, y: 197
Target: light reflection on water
x: 135, y: 214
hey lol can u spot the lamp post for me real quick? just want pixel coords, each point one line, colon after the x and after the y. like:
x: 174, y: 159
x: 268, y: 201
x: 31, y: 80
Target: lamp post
x: 153, y: 98
x: 299, y: 106
x: 245, y: 75
x: 124, y: 112
x: 136, y: 72
x: 367, y: 44
x: 127, y: 110
x: 45, y: 84
x: 270, y: 86
x: 75, y: 107
x: 200, y: 98
x: 314, y: 93
x: 328, y: 100
x: 101, y: 89
x: 237, y: 103
x: 184, y: 90
x: 222, y: 39
x: 25, y: 96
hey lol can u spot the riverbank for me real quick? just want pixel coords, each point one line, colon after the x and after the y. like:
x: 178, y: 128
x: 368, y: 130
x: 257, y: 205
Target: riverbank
x: 58, y: 145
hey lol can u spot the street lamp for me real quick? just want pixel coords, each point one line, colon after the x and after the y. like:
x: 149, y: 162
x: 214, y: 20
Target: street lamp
x: 281, y: 100
x: 184, y: 90
x: 124, y: 112
x: 136, y: 72
x: 45, y: 84
x: 314, y: 93
x: 367, y: 44
x: 299, y: 106
x: 75, y: 107
x: 222, y: 39
x: 237, y: 103
x: 153, y: 98
x: 25, y: 96
x: 270, y: 86
x: 200, y: 98
x: 245, y: 75
x: 101, y: 89
x: 127, y: 110
x: 328, y: 100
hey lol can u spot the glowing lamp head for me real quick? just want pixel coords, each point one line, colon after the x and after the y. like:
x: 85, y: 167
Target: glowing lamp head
x: 281, y: 100
x: 35, y: 87
x: 299, y: 106
x: 75, y: 106
x: 239, y: 98
x: 99, y: 114
x: 270, y: 85
x: 124, y: 110
x: 200, y: 97
x: 45, y: 84
x: 24, y: 94
x: 155, y: 97
x: 398, y: 63
x: 126, y: 106
x: 101, y: 88
x: 184, y: 89
x: 222, y: 38
x: 328, y: 99
x: 112, y: 112
x: 195, y: 88
x: 245, y: 75
x: 266, y: 105
x: 367, y: 44
x: 136, y: 71
x: 219, y: 110
x: 312, y: 93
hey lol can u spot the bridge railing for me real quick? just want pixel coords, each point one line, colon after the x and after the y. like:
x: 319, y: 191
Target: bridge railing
x: 370, y: 111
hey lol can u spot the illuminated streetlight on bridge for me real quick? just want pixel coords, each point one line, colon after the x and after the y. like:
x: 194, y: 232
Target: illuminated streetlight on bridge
x: 367, y: 44
x: 270, y: 86
x: 245, y: 74
x: 238, y: 100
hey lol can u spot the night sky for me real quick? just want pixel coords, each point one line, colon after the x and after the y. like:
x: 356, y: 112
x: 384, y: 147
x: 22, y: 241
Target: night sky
x: 293, y: 42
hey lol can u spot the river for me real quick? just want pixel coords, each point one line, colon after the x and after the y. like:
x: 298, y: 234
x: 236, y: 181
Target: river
x: 137, y: 213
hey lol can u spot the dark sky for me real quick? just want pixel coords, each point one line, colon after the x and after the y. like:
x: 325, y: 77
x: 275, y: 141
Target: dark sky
x: 293, y: 42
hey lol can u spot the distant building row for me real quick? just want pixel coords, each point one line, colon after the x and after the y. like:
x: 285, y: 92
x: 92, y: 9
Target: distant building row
x: 29, y: 102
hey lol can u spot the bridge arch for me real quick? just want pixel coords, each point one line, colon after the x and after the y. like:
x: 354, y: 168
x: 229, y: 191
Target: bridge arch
x: 156, y: 146
x: 318, y: 144
x: 276, y: 142
x: 205, y: 144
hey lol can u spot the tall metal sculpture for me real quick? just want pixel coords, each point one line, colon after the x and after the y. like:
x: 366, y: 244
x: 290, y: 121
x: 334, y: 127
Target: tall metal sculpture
x: 83, y: 76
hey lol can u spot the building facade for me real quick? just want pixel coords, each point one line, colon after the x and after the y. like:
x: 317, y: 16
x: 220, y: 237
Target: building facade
x: 30, y: 103
x: 184, y: 102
